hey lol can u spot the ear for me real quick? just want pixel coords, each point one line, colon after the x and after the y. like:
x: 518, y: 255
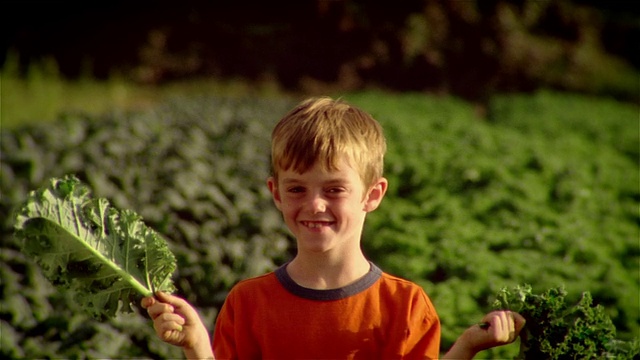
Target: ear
x: 272, y: 184
x: 375, y: 195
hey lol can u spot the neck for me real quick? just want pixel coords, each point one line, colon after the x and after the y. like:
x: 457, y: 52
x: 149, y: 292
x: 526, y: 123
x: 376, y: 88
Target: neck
x: 321, y: 272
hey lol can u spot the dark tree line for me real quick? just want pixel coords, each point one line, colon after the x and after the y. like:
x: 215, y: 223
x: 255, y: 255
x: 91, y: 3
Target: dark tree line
x: 468, y: 48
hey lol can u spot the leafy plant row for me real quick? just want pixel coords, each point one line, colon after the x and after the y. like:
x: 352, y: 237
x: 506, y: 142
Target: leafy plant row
x: 542, y: 190
x: 195, y: 171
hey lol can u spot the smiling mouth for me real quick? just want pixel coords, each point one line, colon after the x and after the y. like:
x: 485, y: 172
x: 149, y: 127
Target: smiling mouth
x: 316, y: 224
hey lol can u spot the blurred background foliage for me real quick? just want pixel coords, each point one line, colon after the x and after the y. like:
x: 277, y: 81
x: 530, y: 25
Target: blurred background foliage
x: 513, y: 130
x: 471, y: 49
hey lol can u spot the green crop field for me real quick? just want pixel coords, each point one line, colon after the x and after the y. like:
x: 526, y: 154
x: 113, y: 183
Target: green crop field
x: 541, y: 189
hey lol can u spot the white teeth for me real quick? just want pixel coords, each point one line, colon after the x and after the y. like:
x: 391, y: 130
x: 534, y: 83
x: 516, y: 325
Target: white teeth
x: 314, y: 224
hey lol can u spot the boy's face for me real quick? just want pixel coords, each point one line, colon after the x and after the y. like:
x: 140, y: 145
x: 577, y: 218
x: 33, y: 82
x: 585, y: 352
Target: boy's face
x: 325, y: 210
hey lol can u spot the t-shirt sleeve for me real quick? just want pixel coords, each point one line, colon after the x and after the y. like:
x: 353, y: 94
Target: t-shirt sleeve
x: 423, y: 338
x: 224, y: 346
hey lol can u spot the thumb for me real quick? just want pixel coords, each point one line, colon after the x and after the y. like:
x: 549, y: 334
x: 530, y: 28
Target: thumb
x: 165, y: 297
x: 169, y: 299
x: 179, y: 305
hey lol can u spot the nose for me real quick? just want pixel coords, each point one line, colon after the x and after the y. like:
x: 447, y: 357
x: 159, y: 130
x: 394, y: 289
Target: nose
x: 318, y: 204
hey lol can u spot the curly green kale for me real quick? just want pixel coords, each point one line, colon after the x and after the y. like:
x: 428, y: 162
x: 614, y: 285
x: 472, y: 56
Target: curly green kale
x: 556, y: 329
x: 103, y: 255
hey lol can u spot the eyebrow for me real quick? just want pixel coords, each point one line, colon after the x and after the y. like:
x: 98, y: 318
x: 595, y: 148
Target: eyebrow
x: 339, y: 180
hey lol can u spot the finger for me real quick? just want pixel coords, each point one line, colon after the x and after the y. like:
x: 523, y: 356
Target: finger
x: 170, y: 318
x: 175, y: 328
x: 172, y: 336
x: 499, y: 325
x: 166, y: 324
x: 503, y: 317
x: 509, y: 327
x: 494, y: 321
x: 512, y: 326
x: 147, y: 301
x: 165, y: 327
x: 519, y: 321
x: 502, y: 331
x: 158, y: 309
x: 509, y: 331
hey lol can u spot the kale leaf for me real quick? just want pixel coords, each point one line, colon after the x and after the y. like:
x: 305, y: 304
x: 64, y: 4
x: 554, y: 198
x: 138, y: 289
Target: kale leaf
x: 556, y: 329
x: 103, y: 255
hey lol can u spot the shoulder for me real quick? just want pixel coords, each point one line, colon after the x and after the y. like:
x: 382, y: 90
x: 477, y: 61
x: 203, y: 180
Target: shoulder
x: 256, y: 284
x: 405, y: 290
x: 399, y: 283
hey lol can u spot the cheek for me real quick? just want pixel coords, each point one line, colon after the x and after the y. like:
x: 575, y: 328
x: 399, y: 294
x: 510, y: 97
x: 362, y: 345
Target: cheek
x: 288, y: 210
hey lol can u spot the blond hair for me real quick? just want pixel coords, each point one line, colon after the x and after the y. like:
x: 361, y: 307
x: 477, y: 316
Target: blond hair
x: 322, y: 130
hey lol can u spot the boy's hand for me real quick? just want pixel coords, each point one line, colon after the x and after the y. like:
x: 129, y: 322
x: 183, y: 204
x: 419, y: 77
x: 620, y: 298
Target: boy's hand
x: 175, y: 321
x: 500, y: 328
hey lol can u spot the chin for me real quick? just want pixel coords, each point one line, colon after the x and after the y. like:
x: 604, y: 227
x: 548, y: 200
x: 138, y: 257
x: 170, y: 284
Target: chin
x: 315, y: 246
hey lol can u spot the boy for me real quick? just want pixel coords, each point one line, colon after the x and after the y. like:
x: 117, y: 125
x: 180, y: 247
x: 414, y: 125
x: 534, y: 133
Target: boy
x: 329, y: 301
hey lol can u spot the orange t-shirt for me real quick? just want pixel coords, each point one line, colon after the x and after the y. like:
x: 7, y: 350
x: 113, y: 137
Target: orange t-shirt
x: 377, y: 317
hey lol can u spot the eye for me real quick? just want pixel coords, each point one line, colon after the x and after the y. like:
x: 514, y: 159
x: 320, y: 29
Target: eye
x: 336, y: 190
x: 295, y: 189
